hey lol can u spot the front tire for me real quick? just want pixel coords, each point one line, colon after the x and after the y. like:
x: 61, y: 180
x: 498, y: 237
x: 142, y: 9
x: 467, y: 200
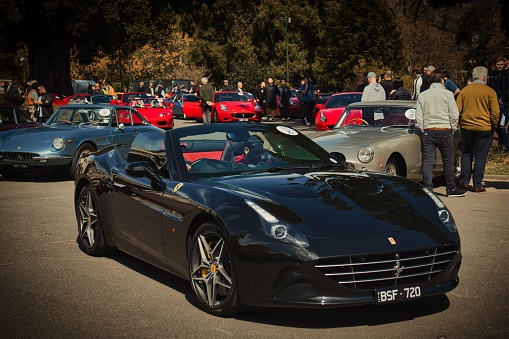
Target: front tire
x: 82, y: 149
x: 91, y: 237
x: 212, y: 273
x: 392, y: 166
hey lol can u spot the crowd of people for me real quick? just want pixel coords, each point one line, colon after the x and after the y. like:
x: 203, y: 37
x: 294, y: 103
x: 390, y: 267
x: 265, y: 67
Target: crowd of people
x: 31, y: 96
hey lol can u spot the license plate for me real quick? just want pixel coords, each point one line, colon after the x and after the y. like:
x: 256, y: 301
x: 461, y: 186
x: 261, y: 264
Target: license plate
x: 20, y: 166
x: 397, y: 294
x: 243, y: 119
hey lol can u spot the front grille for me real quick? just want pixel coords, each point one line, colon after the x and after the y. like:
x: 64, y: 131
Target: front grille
x: 387, y: 270
x: 243, y: 115
x: 17, y: 156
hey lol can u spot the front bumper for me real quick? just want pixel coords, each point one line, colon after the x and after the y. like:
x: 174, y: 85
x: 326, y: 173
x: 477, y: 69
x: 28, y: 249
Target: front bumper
x: 280, y: 275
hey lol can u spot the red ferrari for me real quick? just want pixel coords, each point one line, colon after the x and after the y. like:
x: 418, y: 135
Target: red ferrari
x: 156, y: 111
x: 123, y: 99
x: 234, y: 106
x: 329, y: 115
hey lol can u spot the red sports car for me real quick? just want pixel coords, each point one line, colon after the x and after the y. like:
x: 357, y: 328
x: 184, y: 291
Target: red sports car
x: 123, y: 99
x: 329, y: 115
x: 234, y: 106
x: 156, y: 111
x: 12, y: 117
x: 185, y: 106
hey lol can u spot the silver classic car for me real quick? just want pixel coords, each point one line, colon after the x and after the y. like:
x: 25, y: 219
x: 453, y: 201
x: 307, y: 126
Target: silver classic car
x: 382, y: 136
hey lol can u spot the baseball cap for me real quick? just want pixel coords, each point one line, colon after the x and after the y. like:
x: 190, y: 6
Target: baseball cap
x: 371, y: 75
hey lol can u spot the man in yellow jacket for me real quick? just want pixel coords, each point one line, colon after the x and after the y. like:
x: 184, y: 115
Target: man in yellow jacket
x: 479, y: 114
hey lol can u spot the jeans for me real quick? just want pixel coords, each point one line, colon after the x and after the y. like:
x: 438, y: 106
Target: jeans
x: 442, y: 140
x: 476, y: 145
x: 308, y: 110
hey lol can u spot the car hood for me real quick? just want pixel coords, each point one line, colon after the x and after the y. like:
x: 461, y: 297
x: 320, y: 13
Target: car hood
x: 354, y: 203
x: 351, y: 137
x: 45, y: 134
x: 237, y: 105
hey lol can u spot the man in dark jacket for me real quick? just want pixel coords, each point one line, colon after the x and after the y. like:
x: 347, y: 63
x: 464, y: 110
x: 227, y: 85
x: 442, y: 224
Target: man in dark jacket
x: 206, y: 94
x: 284, y: 100
x: 259, y: 98
x: 44, y: 105
x: 398, y: 91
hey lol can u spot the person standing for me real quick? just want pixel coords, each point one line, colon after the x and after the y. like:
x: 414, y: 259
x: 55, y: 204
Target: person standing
x: 271, y: 94
x: 14, y: 94
x: 32, y: 96
x: 226, y: 87
x: 498, y: 80
x: 417, y: 73
x: 151, y: 90
x: 437, y: 115
x: 159, y: 93
x: 193, y: 88
x: 479, y: 115
x: 259, y: 98
x: 387, y: 84
x: 45, y: 104
x: 284, y: 100
x: 426, y: 77
x: 307, y: 89
x: 141, y: 87
x: 398, y: 91
x: 373, y: 91
x: 206, y: 93
x: 239, y: 87
x: 449, y: 84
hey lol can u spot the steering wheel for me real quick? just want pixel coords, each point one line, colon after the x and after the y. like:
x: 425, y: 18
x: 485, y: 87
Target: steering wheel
x: 355, y: 119
x: 206, y: 165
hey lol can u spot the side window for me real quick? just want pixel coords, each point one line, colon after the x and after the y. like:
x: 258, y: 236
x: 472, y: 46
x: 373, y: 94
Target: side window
x: 136, y: 118
x: 123, y: 117
x: 149, y: 146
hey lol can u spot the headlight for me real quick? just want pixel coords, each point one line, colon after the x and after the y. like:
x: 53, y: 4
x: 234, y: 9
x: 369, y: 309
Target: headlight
x: 443, y: 214
x: 365, y: 154
x: 223, y: 107
x: 58, y: 143
x: 293, y: 103
x: 278, y: 230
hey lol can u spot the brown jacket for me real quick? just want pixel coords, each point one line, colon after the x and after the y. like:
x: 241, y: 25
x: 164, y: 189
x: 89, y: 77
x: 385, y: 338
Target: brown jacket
x: 478, y: 107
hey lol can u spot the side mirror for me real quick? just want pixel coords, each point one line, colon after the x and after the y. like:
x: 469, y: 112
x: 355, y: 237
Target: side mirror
x: 339, y: 157
x: 121, y: 126
x: 143, y: 169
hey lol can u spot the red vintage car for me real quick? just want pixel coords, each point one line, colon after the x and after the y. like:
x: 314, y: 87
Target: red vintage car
x: 329, y: 115
x: 233, y: 106
x: 156, y: 111
x: 12, y: 117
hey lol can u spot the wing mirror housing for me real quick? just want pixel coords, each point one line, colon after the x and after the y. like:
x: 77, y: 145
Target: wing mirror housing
x: 143, y: 169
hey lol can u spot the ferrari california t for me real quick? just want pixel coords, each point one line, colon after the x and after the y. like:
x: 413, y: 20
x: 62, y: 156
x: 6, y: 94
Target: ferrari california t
x: 259, y: 215
x: 234, y: 106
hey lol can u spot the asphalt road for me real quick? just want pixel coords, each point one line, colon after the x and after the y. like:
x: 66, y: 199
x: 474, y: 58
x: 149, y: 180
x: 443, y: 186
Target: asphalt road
x: 50, y: 289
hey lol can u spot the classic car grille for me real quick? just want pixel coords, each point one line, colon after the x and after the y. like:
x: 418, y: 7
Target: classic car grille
x: 387, y: 270
x: 17, y: 156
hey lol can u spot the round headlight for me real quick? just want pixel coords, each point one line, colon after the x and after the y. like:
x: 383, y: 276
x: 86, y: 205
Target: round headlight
x: 58, y: 143
x: 365, y: 154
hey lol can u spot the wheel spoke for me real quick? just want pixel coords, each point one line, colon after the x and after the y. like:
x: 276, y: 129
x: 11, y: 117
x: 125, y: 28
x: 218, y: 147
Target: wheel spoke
x: 88, y: 219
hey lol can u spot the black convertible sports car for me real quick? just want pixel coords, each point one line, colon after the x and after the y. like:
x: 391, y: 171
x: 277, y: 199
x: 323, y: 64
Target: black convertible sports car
x: 260, y: 215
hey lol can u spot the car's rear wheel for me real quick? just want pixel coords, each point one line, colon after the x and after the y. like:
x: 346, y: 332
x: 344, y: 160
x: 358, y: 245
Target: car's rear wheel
x: 82, y: 149
x: 392, y: 166
x: 91, y: 237
x: 212, y: 272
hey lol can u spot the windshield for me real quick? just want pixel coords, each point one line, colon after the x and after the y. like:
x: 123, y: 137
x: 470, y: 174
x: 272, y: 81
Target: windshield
x: 224, y: 97
x: 377, y: 116
x: 216, y: 151
x: 342, y: 100
x: 146, y: 103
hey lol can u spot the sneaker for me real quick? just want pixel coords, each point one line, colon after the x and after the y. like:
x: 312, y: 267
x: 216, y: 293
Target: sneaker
x: 457, y: 193
x: 307, y: 122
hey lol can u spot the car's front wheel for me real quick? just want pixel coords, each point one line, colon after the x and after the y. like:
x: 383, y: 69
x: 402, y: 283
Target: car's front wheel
x: 392, y: 166
x: 212, y: 272
x: 91, y: 237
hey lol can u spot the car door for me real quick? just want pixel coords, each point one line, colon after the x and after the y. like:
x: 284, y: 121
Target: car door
x: 135, y: 206
x: 125, y: 124
x: 191, y: 106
